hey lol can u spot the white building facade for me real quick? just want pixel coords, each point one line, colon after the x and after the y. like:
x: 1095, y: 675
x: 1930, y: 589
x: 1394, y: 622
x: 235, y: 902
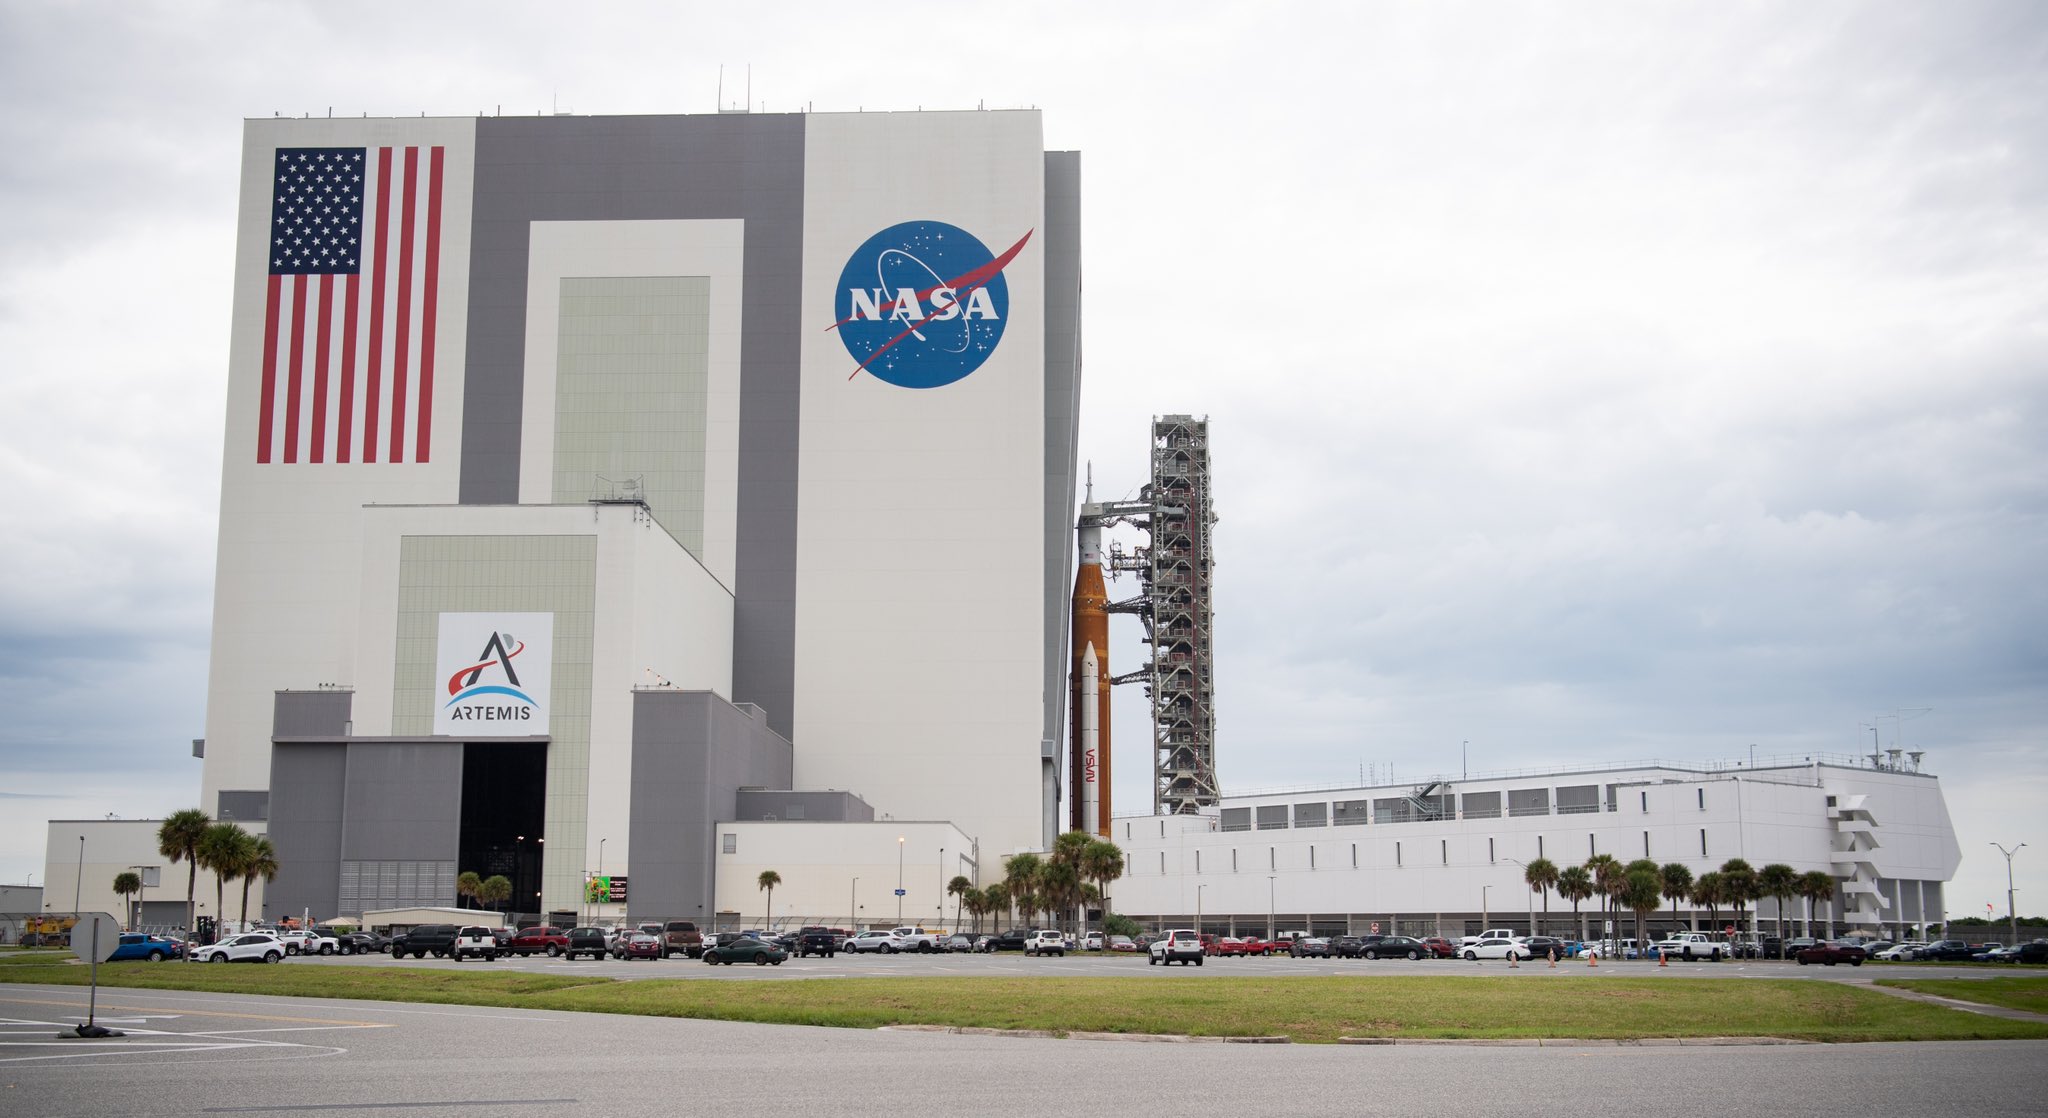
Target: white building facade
x: 581, y: 472
x: 1447, y: 857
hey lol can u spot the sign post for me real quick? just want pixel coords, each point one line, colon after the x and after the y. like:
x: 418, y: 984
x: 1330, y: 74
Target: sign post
x: 103, y: 937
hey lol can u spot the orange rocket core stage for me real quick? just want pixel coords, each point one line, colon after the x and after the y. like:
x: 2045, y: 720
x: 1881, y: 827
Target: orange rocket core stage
x: 1091, y: 626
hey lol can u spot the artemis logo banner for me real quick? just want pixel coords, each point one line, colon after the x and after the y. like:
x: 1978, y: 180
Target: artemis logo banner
x: 491, y: 674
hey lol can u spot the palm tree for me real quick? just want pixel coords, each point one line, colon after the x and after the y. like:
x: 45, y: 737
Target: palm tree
x: 1023, y: 870
x: 495, y: 889
x: 1818, y: 887
x: 959, y: 887
x: 768, y: 880
x: 1706, y: 890
x: 1575, y: 884
x: 224, y: 849
x: 995, y: 898
x: 1677, y: 887
x: 1541, y: 876
x: 1738, y: 886
x: 1608, y: 880
x: 466, y: 884
x: 1779, y: 882
x: 1059, y: 889
x: 128, y: 883
x: 262, y: 863
x: 1102, y: 863
x: 178, y: 839
x: 1642, y: 891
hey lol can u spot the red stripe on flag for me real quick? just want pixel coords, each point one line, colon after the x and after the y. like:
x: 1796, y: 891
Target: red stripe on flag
x: 432, y: 280
x: 296, y: 371
x: 318, y: 451
x: 269, y: 404
x: 343, y: 429
x: 371, y: 381
x: 401, y: 337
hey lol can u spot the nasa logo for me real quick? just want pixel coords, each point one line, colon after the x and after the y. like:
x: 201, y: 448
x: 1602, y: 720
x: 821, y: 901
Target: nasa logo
x: 923, y: 304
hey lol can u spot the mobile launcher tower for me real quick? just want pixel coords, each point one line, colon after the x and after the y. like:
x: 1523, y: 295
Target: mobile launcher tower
x: 1174, y: 604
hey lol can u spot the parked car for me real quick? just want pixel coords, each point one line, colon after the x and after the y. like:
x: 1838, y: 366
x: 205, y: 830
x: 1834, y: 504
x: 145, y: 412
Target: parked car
x: 1541, y: 947
x: 364, y: 943
x: 744, y: 949
x: 435, y: 939
x: 2035, y: 952
x: 308, y: 943
x: 1393, y: 947
x: 1009, y: 940
x: 585, y: 940
x: 1440, y: 947
x: 1045, y: 941
x: 681, y: 937
x: 1311, y: 947
x: 868, y: 941
x: 1253, y: 945
x: 957, y: 942
x: 1688, y: 945
x: 817, y: 941
x: 538, y: 940
x: 475, y: 942
x: 1181, y: 945
x: 1094, y: 941
x: 249, y: 947
x: 1896, y: 953
x: 1832, y: 953
x: 1124, y: 944
x: 638, y: 945
x: 909, y: 938
x: 1944, y: 951
x: 1228, y: 945
x: 146, y: 948
x: 1495, y: 947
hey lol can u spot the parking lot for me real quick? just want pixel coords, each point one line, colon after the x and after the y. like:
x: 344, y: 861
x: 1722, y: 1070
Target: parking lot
x: 1010, y: 964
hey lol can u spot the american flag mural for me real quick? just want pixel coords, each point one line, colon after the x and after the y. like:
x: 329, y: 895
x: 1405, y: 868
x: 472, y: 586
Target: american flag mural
x: 348, y: 324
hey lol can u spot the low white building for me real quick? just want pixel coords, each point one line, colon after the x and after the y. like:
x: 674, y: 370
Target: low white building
x: 859, y: 874
x: 81, y: 858
x: 1447, y: 856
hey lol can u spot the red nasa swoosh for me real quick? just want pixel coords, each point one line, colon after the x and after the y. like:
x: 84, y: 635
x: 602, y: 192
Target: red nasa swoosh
x: 454, y: 685
x: 965, y: 282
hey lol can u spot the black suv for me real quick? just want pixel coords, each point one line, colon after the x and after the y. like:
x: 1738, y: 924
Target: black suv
x: 815, y: 940
x: 1011, y: 940
x: 439, y: 939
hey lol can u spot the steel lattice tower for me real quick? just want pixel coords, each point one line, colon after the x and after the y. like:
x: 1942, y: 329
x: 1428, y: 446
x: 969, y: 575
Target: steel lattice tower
x: 1177, y: 583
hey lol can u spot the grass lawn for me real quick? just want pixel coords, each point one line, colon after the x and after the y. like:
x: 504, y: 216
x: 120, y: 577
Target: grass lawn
x: 2012, y: 993
x: 1311, y: 1011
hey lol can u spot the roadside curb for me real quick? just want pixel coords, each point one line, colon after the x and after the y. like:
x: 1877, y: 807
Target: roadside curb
x: 1047, y: 1034
x: 1590, y: 1042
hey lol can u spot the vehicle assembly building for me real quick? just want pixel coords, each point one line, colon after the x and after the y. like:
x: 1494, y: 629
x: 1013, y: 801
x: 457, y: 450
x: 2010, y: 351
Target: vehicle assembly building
x: 582, y: 472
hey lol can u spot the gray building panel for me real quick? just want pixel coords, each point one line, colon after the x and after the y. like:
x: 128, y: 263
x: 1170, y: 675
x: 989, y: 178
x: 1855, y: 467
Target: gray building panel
x: 306, y: 783
x: 813, y: 807
x: 404, y: 801
x: 692, y: 753
x: 306, y: 714
x: 1062, y: 437
x: 657, y: 168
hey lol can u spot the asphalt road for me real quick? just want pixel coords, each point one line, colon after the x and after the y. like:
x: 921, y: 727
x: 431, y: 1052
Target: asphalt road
x: 192, y: 1054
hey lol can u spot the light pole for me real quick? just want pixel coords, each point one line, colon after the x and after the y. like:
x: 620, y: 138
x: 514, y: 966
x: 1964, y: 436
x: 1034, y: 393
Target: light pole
x: 1485, y: 914
x: 899, y: 881
x: 852, y: 904
x: 1198, y: 911
x: 1532, y: 896
x: 1272, y: 891
x: 142, y: 876
x: 2012, y: 920
x: 942, y: 885
x: 1464, y: 767
x: 596, y: 909
x: 78, y: 886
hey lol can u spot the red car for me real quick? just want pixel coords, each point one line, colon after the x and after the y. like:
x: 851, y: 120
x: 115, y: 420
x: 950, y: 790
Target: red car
x: 1440, y: 947
x: 531, y: 941
x: 1253, y: 945
x: 1832, y: 953
x: 638, y: 945
x: 1228, y: 945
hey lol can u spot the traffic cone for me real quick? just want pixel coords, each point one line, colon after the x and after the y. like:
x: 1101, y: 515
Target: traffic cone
x: 1592, y: 957
x: 1662, y: 961
x: 1553, y: 958
x: 1512, y: 964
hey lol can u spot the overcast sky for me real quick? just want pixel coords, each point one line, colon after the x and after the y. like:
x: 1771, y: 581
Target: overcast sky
x: 1587, y: 382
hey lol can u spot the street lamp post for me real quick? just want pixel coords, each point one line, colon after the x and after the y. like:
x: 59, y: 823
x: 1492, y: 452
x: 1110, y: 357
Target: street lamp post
x: 79, y: 886
x: 1485, y: 913
x: 2012, y: 919
x: 853, y: 905
x: 942, y: 885
x: 1198, y: 911
x: 899, y: 881
x: 1272, y: 890
x: 1532, y: 897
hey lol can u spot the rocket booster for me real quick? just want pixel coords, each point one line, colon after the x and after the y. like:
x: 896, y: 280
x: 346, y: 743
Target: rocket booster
x: 1089, y: 750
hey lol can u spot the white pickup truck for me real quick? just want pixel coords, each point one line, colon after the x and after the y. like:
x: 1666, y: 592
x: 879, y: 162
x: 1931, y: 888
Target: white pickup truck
x: 910, y: 939
x: 1490, y: 933
x: 1692, y: 945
